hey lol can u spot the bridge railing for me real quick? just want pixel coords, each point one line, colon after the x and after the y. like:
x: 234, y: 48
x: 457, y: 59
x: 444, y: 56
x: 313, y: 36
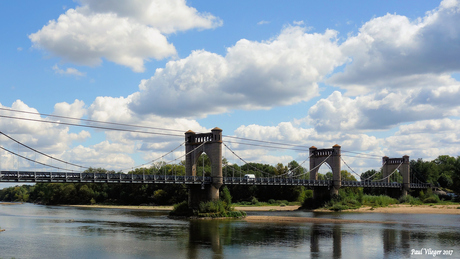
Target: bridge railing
x: 274, y: 181
x: 26, y: 176
x: 370, y: 184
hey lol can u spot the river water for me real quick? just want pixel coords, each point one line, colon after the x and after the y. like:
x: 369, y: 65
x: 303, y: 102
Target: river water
x: 35, y: 231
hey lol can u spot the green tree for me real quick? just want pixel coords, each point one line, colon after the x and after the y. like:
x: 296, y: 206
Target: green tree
x: 371, y: 175
x: 347, y: 176
x: 296, y: 169
x: 280, y: 169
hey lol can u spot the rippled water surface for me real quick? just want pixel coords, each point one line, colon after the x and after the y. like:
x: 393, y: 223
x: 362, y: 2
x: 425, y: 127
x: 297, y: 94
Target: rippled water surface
x: 34, y: 231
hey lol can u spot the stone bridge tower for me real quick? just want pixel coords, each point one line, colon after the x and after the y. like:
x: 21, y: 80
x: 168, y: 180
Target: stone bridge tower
x: 391, y: 164
x: 317, y: 156
x: 211, y: 144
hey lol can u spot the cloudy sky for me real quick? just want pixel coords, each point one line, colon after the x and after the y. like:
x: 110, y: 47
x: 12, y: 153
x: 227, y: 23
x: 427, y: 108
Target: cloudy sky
x: 378, y: 78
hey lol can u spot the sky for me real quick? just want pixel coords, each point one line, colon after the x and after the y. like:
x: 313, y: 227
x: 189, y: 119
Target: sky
x: 379, y: 78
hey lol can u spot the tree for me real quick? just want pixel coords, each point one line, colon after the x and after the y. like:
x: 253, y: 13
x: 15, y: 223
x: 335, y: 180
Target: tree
x: 371, y: 175
x: 347, y: 176
x: 296, y: 169
x: 280, y: 169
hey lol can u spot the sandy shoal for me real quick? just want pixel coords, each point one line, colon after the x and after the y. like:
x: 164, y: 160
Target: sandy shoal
x: 285, y: 219
x: 268, y: 208
x: 399, y: 208
x: 166, y: 208
x: 408, y: 209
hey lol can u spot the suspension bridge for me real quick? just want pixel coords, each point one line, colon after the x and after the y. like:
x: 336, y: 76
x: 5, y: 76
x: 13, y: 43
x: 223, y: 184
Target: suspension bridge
x: 207, y: 187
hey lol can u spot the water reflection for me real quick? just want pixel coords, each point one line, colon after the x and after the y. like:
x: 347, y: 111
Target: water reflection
x: 108, y: 233
x: 207, y: 234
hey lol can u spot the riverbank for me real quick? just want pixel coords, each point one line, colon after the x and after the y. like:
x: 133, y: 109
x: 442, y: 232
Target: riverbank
x: 168, y: 208
x: 285, y: 219
x: 398, y: 208
x: 128, y: 207
x: 407, y: 209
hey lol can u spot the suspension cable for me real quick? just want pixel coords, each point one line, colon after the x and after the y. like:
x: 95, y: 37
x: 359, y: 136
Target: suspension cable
x: 65, y: 162
x: 87, y: 120
x: 389, y: 174
x: 257, y: 169
x: 314, y: 168
x: 363, y: 180
x: 31, y: 160
x: 188, y: 152
x: 293, y: 170
x: 350, y: 167
x: 158, y: 158
x: 90, y: 126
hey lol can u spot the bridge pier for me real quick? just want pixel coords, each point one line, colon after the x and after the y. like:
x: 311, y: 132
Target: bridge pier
x: 197, y: 194
x: 403, y: 164
x: 195, y: 145
x: 394, y: 193
x: 332, y: 157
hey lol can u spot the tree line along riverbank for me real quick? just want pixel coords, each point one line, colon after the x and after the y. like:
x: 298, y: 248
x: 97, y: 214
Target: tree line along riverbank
x: 443, y: 171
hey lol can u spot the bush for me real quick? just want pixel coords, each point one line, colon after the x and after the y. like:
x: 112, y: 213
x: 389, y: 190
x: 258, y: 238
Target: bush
x: 432, y: 199
x: 212, y: 207
x: 181, y: 209
x: 409, y: 199
x: 338, y: 207
x: 227, y: 198
x: 271, y: 201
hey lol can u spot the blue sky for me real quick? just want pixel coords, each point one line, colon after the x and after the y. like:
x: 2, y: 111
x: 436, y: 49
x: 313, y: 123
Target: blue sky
x: 376, y: 77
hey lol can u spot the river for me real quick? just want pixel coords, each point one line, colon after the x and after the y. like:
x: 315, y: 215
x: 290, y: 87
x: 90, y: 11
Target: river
x: 36, y: 231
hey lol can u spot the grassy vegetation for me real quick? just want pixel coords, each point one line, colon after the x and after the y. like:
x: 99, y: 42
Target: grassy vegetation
x: 222, y: 208
x: 271, y: 202
x: 353, y: 198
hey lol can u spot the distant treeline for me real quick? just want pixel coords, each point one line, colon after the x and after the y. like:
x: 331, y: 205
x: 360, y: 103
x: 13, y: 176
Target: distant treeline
x: 444, y: 171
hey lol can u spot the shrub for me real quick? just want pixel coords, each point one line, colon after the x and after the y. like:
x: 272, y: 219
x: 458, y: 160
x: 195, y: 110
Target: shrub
x: 339, y: 207
x: 432, y: 199
x: 212, y: 207
x: 378, y: 201
x: 181, y: 209
x: 410, y: 200
x: 227, y: 198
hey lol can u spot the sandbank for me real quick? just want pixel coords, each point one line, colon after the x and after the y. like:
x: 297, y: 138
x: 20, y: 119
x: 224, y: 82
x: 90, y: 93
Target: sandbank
x: 165, y: 208
x: 284, y: 219
x: 398, y: 208
x: 268, y: 208
x: 407, y: 209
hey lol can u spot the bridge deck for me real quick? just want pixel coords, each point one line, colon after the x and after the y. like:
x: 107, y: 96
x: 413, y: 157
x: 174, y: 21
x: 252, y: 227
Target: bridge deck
x: 59, y: 177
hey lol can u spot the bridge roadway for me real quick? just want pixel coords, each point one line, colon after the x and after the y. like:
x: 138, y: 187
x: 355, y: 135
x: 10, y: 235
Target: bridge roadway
x: 60, y: 177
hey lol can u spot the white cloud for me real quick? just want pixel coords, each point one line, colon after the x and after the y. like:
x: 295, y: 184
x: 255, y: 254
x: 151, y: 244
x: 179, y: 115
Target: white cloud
x: 253, y: 75
x: 263, y: 22
x: 127, y: 33
x: 426, y: 139
x: 167, y: 16
x: 392, y: 51
x: 286, y: 132
x: 299, y: 23
x: 116, y: 110
x: 68, y: 71
x: 384, y: 109
x: 104, y: 155
x: 430, y: 127
x: 35, y: 131
x: 74, y: 110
